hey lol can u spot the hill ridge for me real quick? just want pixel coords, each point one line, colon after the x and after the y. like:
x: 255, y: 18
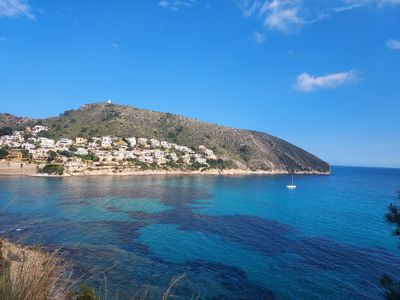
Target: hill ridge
x: 248, y: 149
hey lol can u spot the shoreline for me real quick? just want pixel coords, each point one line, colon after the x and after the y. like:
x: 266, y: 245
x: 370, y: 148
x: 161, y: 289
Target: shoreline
x: 212, y: 172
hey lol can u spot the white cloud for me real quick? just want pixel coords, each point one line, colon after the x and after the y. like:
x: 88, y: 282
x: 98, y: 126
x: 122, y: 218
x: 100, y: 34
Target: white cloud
x: 15, y: 8
x: 175, y: 5
x: 309, y: 83
x: 393, y: 44
x: 163, y: 3
x: 394, y: 2
x: 258, y: 37
x: 283, y: 19
x: 281, y: 15
x: 287, y: 15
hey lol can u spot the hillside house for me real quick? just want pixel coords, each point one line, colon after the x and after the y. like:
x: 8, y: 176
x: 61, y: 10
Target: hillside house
x: 63, y: 142
x: 142, y: 141
x: 14, y: 155
x: 106, y: 142
x: 46, y: 143
x: 80, y: 141
x: 28, y: 146
x: 38, y: 128
x: 131, y: 141
x: 166, y: 145
x: 158, y: 155
x: 154, y: 143
x: 81, y: 151
x: 40, y: 154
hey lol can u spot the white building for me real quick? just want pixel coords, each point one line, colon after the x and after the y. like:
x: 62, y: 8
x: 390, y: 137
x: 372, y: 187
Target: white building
x: 63, y: 142
x: 92, y: 146
x: 207, y: 152
x: 199, y: 159
x: 39, y: 128
x: 183, y: 149
x: 81, y: 151
x: 45, y: 142
x: 146, y: 158
x: 131, y: 141
x: 18, y: 133
x: 39, y: 154
x: 80, y: 141
x: 166, y: 145
x: 101, y: 153
x: 186, y: 158
x: 142, y: 141
x: 158, y: 154
x: 106, y: 142
x: 28, y: 146
x: 154, y: 143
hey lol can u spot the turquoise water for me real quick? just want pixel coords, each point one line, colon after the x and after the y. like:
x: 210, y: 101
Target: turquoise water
x: 233, y: 237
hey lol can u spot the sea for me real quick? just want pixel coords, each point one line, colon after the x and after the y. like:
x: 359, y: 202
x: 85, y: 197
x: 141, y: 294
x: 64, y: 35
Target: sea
x: 224, y: 237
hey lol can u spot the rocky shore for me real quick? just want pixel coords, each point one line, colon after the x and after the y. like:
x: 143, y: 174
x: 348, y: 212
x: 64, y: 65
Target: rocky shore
x: 15, y: 169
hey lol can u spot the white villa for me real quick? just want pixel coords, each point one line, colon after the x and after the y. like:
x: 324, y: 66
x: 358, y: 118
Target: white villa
x: 38, y: 128
x: 46, y: 143
x: 106, y: 142
x: 63, y: 142
x: 131, y: 141
x: 81, y: 151
x: 154, y: 143
x: 142, y: 141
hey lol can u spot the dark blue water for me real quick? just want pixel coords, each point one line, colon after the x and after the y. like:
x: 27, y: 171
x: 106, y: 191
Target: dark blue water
x: 233, y: 237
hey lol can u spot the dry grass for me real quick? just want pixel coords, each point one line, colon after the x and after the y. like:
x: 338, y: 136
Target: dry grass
x: 29, y: 274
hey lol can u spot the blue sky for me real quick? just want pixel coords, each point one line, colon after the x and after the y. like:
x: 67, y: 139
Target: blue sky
x: 324, y: 75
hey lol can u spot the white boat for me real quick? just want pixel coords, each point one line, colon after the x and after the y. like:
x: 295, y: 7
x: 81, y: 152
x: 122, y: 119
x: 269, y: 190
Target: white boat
x: 291, y: 186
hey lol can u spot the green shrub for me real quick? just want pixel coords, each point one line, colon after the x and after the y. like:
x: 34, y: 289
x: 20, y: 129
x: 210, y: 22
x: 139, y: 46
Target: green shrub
x: 90, y: 156
x: 51, y: 156
x: 221, y: 164
x: 53, y: 169
x: 3, y: 153
x: 196, y: 166
x: 5, y: 131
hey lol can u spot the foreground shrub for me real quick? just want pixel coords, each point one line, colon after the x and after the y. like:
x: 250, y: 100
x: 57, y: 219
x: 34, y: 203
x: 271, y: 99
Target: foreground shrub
x: 27, y: 274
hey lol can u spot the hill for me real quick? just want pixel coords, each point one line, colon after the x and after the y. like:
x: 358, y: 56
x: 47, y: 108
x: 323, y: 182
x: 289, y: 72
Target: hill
x: 247, y: 149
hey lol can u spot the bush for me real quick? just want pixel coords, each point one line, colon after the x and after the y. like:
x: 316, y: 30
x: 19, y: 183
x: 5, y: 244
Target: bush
x: 90, y: 156
x: 27, y: 135
x: 3, y: 153
x: 196, y: 166
x: 51, y: 156
x: 53, y: 169
x: 65, y: 153
x: 6, y: 131
x: 45, y: 134
x: 245, y: 153
x: 29, y: 274
x: 221, y: 164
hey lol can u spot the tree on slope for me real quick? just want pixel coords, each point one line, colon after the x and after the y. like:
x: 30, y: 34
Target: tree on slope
x: 391, y: 286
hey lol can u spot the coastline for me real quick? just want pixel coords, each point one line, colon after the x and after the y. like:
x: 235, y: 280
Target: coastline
x: 31, y: 171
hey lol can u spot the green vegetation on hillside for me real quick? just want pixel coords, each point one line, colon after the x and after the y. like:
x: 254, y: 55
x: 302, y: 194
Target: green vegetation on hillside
x: 245, y: 149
